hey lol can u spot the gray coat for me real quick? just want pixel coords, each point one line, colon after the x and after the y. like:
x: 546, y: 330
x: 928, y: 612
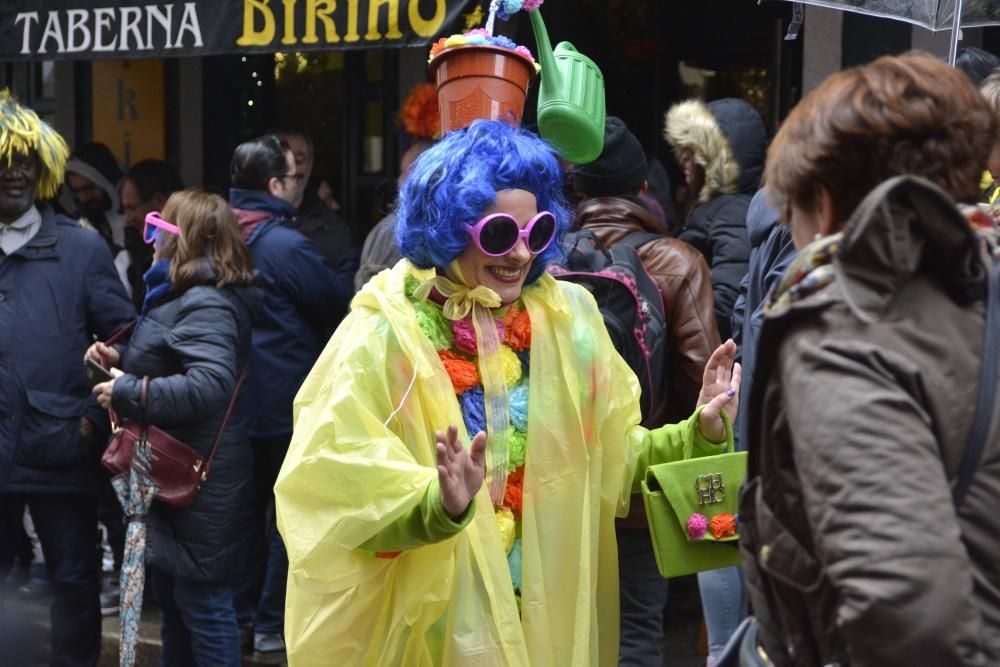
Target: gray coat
x: 859, y: 416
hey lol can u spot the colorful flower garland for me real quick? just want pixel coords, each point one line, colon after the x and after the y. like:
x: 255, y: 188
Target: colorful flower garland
x: 480, y: 37
x: 455, y: 342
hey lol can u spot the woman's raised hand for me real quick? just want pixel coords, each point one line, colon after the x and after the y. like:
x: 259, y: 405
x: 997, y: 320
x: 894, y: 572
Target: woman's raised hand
x: 720, y: 392
x: 460, y: 472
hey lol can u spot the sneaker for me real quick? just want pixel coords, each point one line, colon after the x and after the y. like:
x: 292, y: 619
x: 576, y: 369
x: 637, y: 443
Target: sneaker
x: 266, y: 642
x: 110, y: 596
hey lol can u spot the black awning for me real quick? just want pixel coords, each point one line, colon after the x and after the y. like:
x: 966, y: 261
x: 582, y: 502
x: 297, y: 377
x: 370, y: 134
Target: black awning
x: 93, y: 30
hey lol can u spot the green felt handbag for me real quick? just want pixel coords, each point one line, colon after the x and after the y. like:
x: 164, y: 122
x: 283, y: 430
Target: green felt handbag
x: 691, y: 508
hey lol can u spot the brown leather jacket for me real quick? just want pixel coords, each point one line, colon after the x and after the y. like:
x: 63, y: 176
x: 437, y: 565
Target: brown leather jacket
x: 685, y: 283
x: 862, y: 402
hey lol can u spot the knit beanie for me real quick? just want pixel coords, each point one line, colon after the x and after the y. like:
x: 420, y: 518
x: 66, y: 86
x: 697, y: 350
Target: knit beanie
x: 619, y: 170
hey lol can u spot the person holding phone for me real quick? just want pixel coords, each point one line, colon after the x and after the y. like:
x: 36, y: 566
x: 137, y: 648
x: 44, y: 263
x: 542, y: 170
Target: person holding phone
x: 192, y: 341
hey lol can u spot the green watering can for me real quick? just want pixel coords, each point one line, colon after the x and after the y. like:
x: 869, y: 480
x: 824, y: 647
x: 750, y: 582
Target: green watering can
x: 570, y: 99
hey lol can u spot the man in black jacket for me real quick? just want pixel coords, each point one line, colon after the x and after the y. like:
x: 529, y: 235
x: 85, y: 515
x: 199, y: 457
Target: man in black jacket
x: 58, y: 289
x: 317, y: 221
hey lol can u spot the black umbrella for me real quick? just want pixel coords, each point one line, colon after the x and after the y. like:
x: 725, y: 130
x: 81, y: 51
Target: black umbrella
x: 934, y: 15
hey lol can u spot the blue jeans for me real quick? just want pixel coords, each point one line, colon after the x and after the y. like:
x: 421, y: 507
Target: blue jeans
x: 198, y: 622
x: 724, y: 603
x: 270, y: 617
x: 67, y: 530
x: 643, y: 596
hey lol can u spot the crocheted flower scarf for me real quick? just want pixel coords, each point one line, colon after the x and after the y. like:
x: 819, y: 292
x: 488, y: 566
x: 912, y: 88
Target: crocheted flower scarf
x: 456, y: 344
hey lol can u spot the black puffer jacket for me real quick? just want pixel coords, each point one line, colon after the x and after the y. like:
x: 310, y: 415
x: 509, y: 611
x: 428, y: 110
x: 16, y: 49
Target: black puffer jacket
x: 729, y: 141
x: 193, y: 347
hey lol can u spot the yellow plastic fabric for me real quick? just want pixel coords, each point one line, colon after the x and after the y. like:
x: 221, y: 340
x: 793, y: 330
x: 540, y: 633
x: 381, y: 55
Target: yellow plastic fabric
x: 363, y: 453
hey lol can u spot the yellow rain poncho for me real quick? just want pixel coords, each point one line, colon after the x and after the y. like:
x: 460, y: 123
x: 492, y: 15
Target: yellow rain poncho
x: 363, y: 455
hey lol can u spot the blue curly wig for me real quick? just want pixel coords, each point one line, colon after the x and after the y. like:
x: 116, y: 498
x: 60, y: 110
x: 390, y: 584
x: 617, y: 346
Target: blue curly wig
x: 457, y: 180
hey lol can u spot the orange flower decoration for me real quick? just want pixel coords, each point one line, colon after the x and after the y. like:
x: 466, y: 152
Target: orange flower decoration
x: 438, y: 46
x: 419, y: 115
x: 722, y: 525
x: 511, y: 315
x: 517, y: 327
x: 513, y: 492
x: 462, y: 372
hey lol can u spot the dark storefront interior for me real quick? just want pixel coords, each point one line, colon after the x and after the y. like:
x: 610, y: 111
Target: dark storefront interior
x: 652, y: 53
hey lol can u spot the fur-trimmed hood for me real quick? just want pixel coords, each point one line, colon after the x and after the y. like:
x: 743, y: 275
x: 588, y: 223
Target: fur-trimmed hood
x: 728, y: 139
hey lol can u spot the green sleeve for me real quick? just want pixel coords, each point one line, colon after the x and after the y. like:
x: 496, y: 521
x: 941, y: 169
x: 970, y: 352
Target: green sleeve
x: 426, y: 523
x: 669, y: 443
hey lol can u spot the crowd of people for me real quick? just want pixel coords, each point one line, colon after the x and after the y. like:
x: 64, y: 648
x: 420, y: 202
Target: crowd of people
x: 428, y: 451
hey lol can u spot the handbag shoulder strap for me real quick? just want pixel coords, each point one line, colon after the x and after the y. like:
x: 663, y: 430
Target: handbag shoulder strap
x: 225, y: 421
x: 987, y: 393
x: 121, y: 333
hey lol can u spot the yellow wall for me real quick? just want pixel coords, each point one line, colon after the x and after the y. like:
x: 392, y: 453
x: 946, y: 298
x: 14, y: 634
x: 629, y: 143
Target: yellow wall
x: 128, y: 109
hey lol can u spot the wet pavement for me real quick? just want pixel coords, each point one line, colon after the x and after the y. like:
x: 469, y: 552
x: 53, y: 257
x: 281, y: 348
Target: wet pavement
x: 24, y: 635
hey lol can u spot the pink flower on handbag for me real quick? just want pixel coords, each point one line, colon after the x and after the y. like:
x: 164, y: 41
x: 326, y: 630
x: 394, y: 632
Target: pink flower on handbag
x: 697, y: 526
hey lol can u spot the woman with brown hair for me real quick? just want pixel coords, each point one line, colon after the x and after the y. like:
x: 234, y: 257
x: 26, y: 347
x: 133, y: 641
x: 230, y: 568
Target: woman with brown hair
x: 192, y: 341
x: 868, y: 371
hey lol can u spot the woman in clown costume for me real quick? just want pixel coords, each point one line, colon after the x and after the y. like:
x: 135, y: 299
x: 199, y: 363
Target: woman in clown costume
x: 466, y: 439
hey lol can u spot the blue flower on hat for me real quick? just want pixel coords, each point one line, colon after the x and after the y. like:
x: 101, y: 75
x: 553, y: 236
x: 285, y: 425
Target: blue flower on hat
x: 509, y: 7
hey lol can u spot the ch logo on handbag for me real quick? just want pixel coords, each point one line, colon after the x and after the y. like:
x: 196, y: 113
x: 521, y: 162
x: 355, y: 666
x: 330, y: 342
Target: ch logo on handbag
x: 710, y: 488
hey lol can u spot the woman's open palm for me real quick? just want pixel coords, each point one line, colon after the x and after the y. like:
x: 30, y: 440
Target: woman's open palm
x: 720, y: 391
x: 460, y: 472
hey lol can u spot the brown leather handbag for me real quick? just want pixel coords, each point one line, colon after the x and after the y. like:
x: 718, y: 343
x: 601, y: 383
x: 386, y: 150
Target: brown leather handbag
x: 176, y: 468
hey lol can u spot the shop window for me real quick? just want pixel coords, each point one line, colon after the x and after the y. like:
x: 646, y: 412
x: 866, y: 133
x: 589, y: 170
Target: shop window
x: 34, y: 83
x: 752, y: 84
x: 346, y: 102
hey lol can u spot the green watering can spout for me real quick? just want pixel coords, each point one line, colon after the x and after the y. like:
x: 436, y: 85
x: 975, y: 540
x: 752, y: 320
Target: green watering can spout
x: 550, y: 71
x: 570, y: 100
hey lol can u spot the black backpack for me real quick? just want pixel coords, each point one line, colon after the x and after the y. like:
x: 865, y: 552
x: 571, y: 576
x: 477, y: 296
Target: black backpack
x: 629, y: 300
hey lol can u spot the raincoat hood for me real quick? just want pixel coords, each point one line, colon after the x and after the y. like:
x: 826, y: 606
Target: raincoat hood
x: 728, y: 139
x: 362, y: 455
x: 95, y: 162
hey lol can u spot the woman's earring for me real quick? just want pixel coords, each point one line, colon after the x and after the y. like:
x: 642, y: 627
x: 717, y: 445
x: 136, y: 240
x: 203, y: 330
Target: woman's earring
x: 817, y: 237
